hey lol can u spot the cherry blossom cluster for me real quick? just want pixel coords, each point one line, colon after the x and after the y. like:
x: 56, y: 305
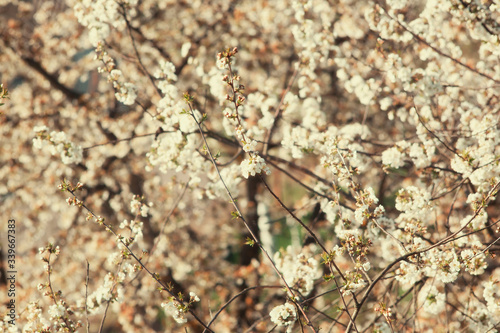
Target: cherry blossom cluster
x: 254, y: 164
x: 177, y: 310
x: 57, y: 143
x: 284, y: 315
x: 101, y: 16
x: 379, y: 121
x: 299, y: 271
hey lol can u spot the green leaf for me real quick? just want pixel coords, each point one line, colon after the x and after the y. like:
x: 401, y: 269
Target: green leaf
x: 250, y: 242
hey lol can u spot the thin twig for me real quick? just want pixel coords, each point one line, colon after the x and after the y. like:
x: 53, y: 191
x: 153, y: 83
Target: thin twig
x: 320, y: 244
x: 138, y: 56
x: 235, y: 297
x: 438, y: 51
x: 240, y: 215
x: 139, y: 261
x: 86, y: 295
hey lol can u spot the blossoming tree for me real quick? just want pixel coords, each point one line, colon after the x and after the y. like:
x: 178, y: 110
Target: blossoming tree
x: 244, y: 166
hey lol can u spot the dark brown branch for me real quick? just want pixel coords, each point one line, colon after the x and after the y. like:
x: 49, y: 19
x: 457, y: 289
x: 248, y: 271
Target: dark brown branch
x: 70, y: 93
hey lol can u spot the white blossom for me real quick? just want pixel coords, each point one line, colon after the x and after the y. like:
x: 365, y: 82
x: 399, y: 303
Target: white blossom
x: 254, y: 165
x: 173, y: 309
x: 284, y: 315
x: 56, y: 311
x: 393, y: 157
